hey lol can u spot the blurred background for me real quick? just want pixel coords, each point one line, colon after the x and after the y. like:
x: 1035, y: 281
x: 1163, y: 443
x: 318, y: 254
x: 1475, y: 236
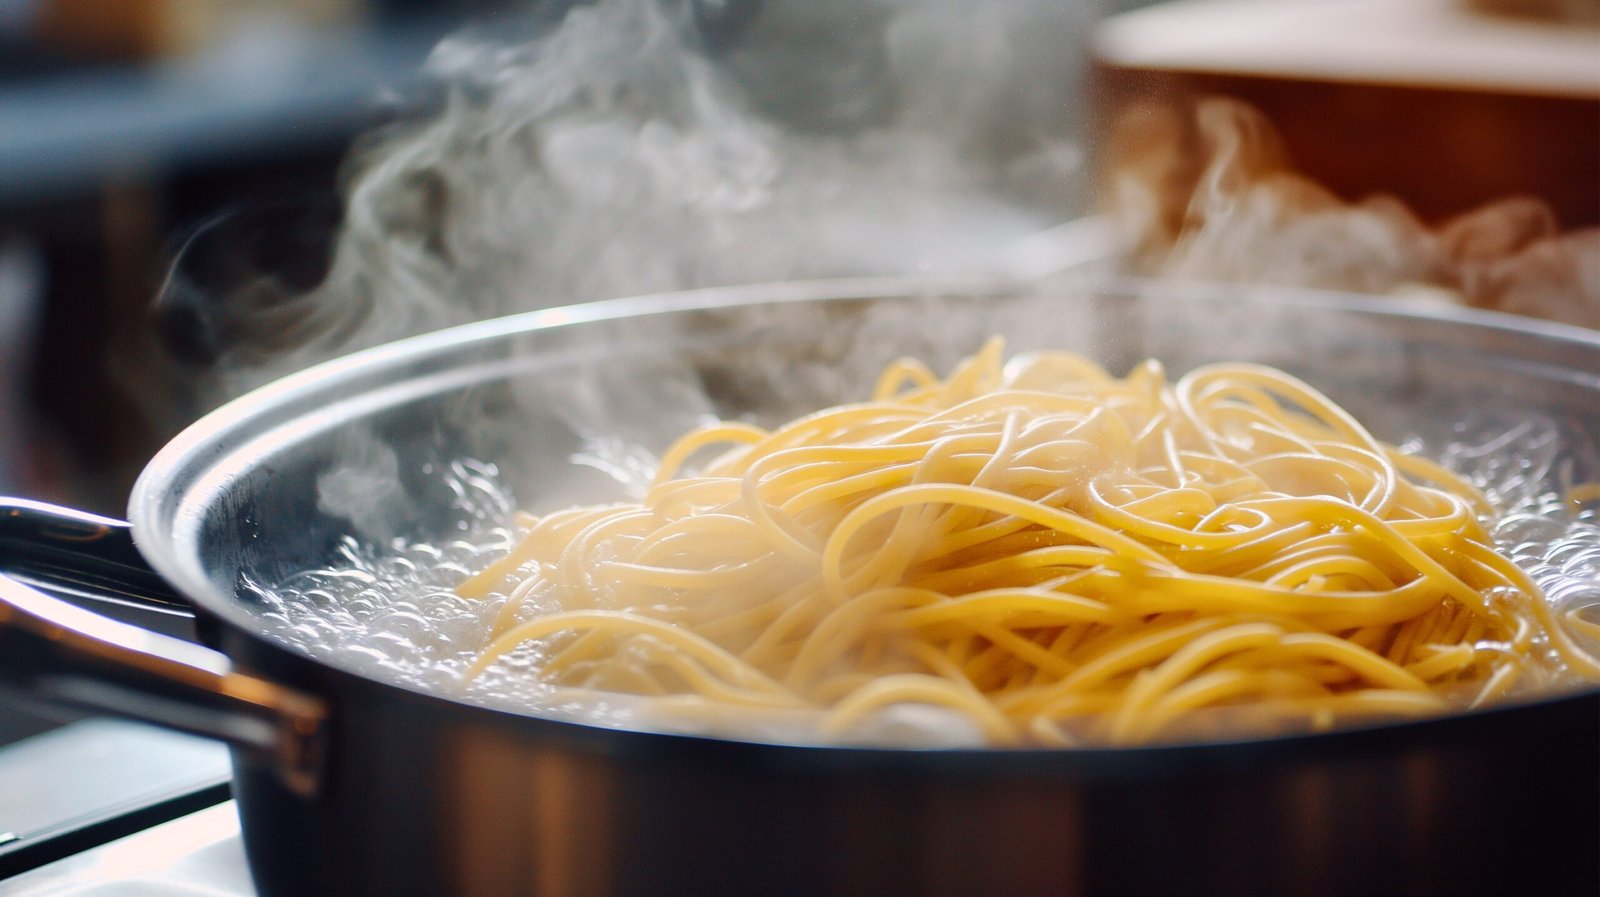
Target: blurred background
x: 123, y: 123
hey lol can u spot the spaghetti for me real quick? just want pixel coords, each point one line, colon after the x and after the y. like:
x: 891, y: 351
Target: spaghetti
x: 1049, y: 554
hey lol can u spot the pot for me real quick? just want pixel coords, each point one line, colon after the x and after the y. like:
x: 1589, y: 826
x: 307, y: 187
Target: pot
x: 348, y: 783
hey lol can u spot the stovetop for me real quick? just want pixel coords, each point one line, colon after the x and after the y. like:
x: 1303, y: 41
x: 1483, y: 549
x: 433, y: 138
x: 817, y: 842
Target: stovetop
x: 198, y: 855
x: 104, y: 807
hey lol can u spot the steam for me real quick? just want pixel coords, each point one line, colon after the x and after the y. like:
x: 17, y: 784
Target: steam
x: 1213, y: 196
x: 626, y: 152
x: 637, y: 146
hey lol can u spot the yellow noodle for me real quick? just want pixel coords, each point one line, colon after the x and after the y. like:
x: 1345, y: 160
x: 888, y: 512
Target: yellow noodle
x: 726, y: 432
x: 1057, y: 555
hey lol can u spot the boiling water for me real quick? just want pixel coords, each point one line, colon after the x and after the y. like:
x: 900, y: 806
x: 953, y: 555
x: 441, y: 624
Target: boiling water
x: 390, y: 610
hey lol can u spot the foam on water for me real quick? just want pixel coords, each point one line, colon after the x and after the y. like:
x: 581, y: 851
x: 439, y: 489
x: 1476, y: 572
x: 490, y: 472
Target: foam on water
x: 390, y: 610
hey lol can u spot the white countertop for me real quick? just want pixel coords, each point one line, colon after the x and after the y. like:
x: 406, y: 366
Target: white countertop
x: 194, y: 855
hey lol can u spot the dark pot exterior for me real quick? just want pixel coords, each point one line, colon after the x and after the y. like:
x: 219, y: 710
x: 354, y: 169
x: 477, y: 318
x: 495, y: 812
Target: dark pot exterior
x: 425, y: 797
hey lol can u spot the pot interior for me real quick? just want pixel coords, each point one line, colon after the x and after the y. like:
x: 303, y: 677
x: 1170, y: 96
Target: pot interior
x: 435, y: 440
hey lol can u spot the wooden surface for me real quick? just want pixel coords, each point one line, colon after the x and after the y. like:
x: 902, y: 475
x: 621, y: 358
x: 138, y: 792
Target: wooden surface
x: 1444, y: 44
x: 1443, y: 107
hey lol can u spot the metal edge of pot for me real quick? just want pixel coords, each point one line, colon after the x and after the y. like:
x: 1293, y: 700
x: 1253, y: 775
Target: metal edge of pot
x: 184, y: 465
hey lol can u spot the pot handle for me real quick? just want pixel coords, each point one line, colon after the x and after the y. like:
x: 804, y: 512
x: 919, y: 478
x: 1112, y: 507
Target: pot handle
x: 62, y: 654
x: 63, y: 551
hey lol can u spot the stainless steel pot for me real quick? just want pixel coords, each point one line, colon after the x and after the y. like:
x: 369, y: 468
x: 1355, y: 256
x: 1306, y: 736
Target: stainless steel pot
x: 351, y: 785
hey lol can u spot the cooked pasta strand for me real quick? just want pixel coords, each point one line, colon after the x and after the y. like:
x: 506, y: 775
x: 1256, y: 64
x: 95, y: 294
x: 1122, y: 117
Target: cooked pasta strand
x: 1056, y: 555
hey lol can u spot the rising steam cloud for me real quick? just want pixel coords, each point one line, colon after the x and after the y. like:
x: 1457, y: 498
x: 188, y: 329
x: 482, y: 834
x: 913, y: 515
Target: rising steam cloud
x: 623, y: 151
x: 622, y: 148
